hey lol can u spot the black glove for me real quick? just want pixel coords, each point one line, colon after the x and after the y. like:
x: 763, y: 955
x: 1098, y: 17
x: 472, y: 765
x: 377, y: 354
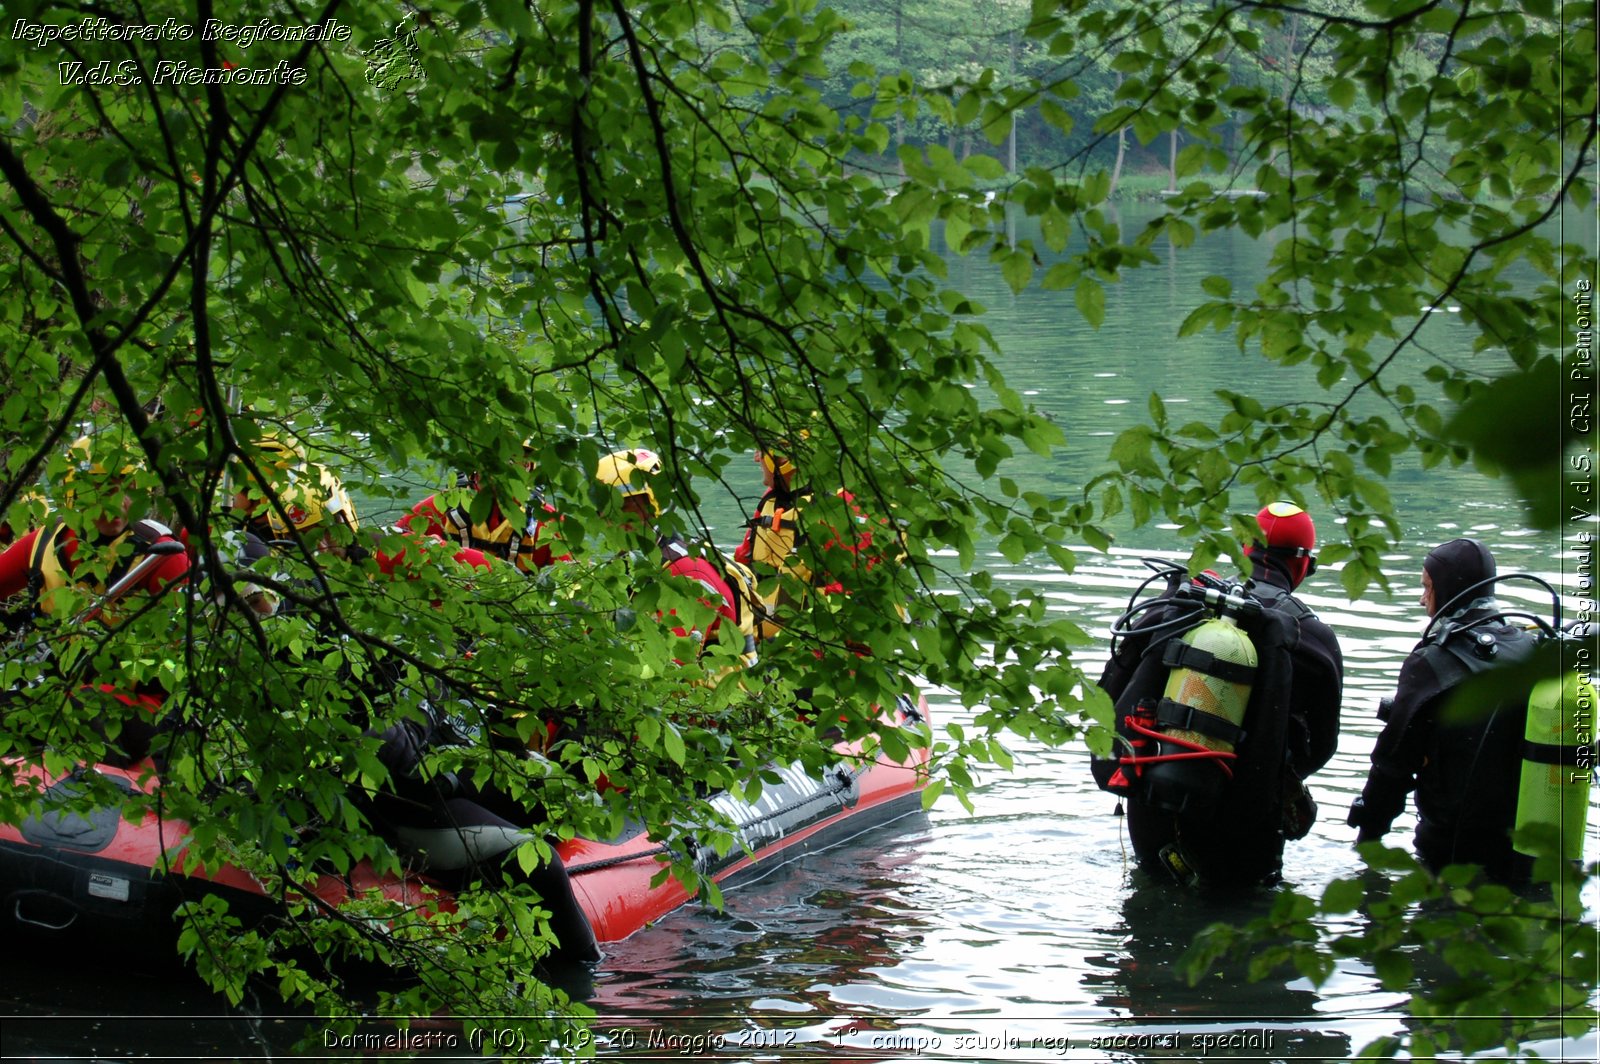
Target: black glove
x: 1360, y: 818
x: 1299, y: 809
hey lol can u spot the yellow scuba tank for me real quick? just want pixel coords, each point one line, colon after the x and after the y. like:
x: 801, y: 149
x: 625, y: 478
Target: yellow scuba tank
x: 1557, y: 765
x: 1202, y: 710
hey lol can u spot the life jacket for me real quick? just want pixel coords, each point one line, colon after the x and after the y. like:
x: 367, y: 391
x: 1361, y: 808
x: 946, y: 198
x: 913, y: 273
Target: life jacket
x: 50, y: 567
x: 1179, y: 755
x: 749, y: 609
x: 775, y: 534
x: 500, y: 536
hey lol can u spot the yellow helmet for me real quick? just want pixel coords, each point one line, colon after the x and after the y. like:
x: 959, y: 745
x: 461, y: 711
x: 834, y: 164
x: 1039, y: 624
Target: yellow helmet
x: 29, y: 508
x: 621, y: 469
x: 776, y: 458
x: 83, y: 462
x: 312, y: 496
x: 278, y: 454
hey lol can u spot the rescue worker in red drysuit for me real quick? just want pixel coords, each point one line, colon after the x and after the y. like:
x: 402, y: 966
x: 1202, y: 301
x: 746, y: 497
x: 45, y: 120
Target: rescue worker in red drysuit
x: 528, y: 544
x: 776, y: 529
x: 1465, y: 771
x: 45, y: 562
x: 1291, y: 730
x: 628, y: 472
x: 318, y: 507
x: 776, y: 534
x: 46, y: 559
x: 526, y: 539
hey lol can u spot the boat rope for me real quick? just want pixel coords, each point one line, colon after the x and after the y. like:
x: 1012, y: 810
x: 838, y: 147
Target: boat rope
x: 842, y: 781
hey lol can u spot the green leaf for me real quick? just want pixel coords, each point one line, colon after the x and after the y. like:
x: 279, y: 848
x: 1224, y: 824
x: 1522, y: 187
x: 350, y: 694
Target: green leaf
x: 1091, y: 301
x: 1017, y: 269
x: 1342, y: 896
x: 672, y: 742
x: 984, y: 166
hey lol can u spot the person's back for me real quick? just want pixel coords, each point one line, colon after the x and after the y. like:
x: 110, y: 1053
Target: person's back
x: 774, y: 534
x: 1464, y: 763
x: 525, y: 538
x: 729, y: 588
x: 1465, y: 796
x: 1291, y: 677
x: 1317, y: 688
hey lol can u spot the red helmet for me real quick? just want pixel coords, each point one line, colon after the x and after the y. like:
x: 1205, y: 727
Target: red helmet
x: 1288, y: 537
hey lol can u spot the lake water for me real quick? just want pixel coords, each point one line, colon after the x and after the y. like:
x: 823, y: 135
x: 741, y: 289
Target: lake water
x: 1017, y: 931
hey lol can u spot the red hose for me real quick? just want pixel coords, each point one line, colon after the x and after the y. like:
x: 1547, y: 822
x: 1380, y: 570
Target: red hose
x: 1195, y: 750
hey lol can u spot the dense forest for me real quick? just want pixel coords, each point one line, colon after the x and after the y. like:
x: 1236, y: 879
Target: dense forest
x: 1061, y: 105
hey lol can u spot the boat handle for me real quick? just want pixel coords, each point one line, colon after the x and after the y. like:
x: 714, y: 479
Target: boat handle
x: 21, y: 918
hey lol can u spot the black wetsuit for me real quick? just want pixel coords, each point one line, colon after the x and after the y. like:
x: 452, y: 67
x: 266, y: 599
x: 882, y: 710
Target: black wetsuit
x: 1464, y: 767
x: 1292, y: 730
x: 462, y: 837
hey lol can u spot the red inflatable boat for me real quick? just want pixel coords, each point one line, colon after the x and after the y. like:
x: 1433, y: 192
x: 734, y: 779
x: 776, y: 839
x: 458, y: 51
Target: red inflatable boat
x: 798, y: 815
x: 64, y: 872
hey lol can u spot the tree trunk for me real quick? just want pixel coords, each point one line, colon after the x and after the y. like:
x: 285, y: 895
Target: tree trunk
x: 1011, y: 148
x: 1172, y: 162
x: 899, y: 58
x: 1122, y: 149
x: 1289, y: 57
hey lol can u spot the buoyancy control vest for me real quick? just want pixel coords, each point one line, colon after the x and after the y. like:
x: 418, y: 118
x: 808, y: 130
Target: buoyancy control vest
x: 1538, y: 787
x: 1201, y: 722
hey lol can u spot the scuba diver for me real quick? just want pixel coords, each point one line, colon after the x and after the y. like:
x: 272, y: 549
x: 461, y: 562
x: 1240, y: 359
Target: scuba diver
x: 459, y: 833
x: 1465, y: 769
x: 1227, y: 699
